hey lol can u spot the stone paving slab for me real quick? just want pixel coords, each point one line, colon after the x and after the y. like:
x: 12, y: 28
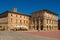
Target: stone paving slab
x: 6, y: 35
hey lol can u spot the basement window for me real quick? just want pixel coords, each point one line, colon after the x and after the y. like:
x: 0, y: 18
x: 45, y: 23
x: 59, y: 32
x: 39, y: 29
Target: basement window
x: 0, y: 26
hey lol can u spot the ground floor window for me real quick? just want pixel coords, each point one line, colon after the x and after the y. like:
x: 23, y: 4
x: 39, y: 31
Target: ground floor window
x: 2, y: 28
x: 47, y: 27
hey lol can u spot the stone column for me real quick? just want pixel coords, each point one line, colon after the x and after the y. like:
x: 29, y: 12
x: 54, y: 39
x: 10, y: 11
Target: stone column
x: 39, y: 27
x: 32, y: 25
x: 52, y: 24
x: 44, y: 25
x: 48, y: 25
x: 35, y: 24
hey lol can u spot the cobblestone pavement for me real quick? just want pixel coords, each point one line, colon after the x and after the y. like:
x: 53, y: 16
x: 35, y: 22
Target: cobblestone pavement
x: 50, y: 34
x: 6, y: 35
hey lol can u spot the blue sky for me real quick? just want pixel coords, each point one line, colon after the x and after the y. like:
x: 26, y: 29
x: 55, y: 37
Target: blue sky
x: 29, y: 6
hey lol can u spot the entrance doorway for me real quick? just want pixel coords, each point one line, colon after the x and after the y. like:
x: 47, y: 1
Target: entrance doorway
x: 37, y: 27
x: 41, y: 27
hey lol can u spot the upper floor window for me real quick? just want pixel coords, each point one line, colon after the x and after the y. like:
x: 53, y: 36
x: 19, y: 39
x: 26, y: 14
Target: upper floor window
x: 24, y: 16
x: 47, y: 21
x: 20, y: 21
x: 11, y: 19
x: 20, y: 16
x: 16, y: 20
x: 24, y: 21
x: 11, y: 14
x: 52, y: 21
x: 16, y: 15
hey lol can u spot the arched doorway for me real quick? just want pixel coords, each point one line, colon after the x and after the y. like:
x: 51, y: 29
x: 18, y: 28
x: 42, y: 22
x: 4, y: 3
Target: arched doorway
x: 41, y: 27
x: 37, y: 27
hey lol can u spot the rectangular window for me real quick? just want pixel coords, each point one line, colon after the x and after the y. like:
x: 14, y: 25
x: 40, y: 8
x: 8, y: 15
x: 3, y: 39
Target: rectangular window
x: 0, y: 26
x: 20, y: 16
x: 16, y: 20
x: 24, y: 16
x: 11, y: 14
x: 11, y: 19
x: 47, y: 21
x: 16, y: 15
x: 52, y: 21
x: 20, y: 21
x: 24, y: 21
x: 47, y: 27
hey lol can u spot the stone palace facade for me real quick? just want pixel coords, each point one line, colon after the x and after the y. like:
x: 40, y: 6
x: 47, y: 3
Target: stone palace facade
x: 40, y: 20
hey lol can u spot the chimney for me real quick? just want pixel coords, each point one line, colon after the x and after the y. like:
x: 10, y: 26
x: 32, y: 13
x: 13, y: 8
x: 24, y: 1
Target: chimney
x: 15, y: 10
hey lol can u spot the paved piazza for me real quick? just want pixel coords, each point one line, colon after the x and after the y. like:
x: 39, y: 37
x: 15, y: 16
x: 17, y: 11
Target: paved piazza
x: 17, y: 35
